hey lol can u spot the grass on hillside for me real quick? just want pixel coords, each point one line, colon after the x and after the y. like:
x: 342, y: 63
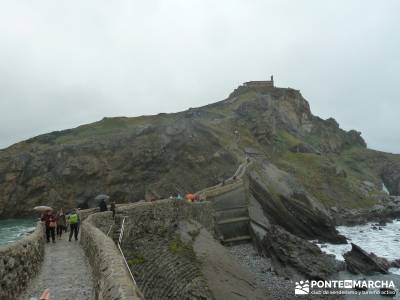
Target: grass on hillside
x: 318, y: 175
x: 109, y: 126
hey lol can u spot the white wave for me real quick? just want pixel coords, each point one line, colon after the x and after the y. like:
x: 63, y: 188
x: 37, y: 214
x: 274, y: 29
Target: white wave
x: 383, y: 241
x: 12, y: 230
x: 385, y: 189
x: 394, y: 271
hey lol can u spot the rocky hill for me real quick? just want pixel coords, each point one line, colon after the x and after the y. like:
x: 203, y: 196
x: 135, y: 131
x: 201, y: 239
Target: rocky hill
x: 164, y: 154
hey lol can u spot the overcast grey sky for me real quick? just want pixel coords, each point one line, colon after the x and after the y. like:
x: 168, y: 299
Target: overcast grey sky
x: 65, y: 63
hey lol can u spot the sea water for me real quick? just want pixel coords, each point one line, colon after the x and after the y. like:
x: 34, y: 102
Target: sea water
x: 14, y: 229
x: 384, y: 241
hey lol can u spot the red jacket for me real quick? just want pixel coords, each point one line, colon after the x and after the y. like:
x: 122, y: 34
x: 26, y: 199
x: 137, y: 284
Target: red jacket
x: 48, y: 218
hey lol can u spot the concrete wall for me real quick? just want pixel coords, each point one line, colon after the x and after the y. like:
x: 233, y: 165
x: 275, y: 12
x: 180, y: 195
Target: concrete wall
x: 19, y: 262
x: 112, y: 280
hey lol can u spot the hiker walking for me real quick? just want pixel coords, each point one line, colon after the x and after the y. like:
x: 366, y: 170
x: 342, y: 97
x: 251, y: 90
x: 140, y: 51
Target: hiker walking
x: 112, y: 208
x: 49, y: 220
x: 78, y: 212
x: 101, y: 200
x: 61, y: 223
x: 73, y: 225
x: 103, y: 205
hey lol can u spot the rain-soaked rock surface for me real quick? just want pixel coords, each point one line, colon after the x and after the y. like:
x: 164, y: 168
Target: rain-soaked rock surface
x: 65, y: 271
x: 358, y: 261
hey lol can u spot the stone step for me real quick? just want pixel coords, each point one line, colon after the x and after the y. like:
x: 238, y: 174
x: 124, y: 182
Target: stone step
x: 231, y: 214
x: 232, y: 208
x: 263, y: 226
x: 233, y: 220
x: 237, y: 239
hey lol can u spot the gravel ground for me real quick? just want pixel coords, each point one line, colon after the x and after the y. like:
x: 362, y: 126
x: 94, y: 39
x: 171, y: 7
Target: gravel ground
x: 65, y: 271
x: 278, y: 287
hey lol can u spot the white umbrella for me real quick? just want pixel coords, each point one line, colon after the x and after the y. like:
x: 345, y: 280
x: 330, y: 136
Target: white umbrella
x: 42, y: 208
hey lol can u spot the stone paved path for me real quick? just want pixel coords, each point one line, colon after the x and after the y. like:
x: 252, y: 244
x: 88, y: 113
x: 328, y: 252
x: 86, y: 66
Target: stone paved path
x: 65, y: 271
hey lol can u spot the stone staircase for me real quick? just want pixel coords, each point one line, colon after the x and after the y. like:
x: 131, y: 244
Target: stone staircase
x: 231, y: 217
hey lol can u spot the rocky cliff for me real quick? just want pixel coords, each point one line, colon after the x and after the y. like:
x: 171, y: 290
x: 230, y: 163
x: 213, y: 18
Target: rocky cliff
x: 160, y: 155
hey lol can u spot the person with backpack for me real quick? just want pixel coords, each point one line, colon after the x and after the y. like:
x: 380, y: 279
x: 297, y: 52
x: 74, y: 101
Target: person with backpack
x: 73, y: 219
x: 61, y: 223
x: 50, y: 222
x: 103, y: 205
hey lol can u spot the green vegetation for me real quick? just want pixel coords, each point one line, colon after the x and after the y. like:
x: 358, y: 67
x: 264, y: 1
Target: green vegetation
x: 136, y: 259
x: 283, y: 141
x: 178, y: 247
x: 103, y: 127
x: 107, y: 126
x: 318, y: 175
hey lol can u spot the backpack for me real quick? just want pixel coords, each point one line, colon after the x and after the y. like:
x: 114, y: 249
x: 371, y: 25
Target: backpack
x: 73, y: 218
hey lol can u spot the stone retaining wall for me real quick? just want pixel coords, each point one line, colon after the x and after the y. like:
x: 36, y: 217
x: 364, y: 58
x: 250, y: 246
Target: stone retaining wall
x: 163, y: 265
x: 209, y: 193
x: 146, y: 216
x: 112, y: 280
x: 19, y: 262
x: 84, y: 213
x: 166, y: 268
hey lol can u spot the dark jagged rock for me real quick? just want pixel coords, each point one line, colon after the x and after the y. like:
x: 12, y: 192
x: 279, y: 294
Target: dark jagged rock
x: 391, y: 177
x: 303, y: 148
x: 286, y: 203
x: 383, y: 222
x: 359, y: 261
x: 341, y: 172
x: 382, y: 214
x: 395, y: 263
x: 294, y: 257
